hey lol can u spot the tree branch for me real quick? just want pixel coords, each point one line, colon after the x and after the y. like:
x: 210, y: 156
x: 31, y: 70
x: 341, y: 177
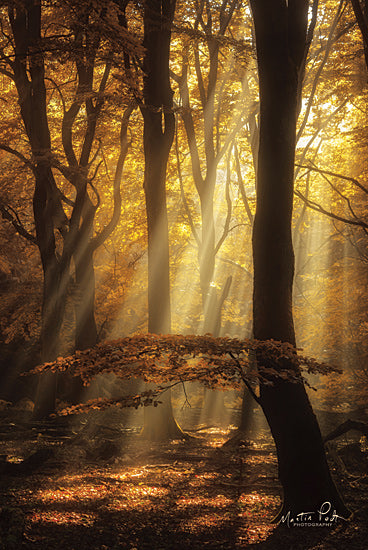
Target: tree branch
x: 187, y: 118
x: 329, y: 44
x: 99, y: 239
x: 318, y: 208
x: 241, y: 185
x: 333, y: 174
x: 17, y: 154
x: 8, y: 213
x: 362, y: 21
x: 346, y: 427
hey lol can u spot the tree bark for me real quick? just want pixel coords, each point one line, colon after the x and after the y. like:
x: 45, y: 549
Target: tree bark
x: 159, y: 126
x: 158, y: 135
x: 48, y: 212
x: 281, y: 30
x: 85, y: 324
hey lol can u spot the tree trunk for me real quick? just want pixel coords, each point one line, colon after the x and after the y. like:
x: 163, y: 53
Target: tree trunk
x: 85, y: 330
x: 55, y: 284
x: 214, y: 400
x: 85, y: 323
x: 158, y: 135
x: 280, y: 29
x: 159, y: 125
x: 206, y: 254
x: 48, y: 213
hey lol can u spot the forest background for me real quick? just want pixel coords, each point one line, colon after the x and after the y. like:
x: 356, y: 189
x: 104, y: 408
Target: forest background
x: 71, y: 143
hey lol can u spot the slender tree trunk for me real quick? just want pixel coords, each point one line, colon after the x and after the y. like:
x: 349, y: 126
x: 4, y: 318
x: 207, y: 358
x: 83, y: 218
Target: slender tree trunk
x: 207, y: 254
x: 280, y: 29
x: 158, y: 135
x: 214, y: 400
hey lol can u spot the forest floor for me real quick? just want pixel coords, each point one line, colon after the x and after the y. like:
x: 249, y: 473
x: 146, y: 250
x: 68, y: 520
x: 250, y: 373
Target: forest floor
x: 97, y: 485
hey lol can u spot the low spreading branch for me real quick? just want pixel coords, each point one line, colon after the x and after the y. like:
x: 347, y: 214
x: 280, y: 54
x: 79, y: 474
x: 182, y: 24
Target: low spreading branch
x: 218, y: 363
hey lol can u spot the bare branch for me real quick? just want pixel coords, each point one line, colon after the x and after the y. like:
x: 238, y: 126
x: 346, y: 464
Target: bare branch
x: 8, y: 213
x: 334, y: 174
x: 187, y: 118
x: 225, y: 18
x: 346, y: 427
x: 200, y: 82
x: 7, y: 73
x: 315, y: 206
x: 235, y: 264
x: 362, y: 21
x: 321, y: 127
x: 58, y: 88
x: 94, y: 189
x: 251, y: 391
x: 67, y: 131
x: 17, y: 154
x: 330, y: 41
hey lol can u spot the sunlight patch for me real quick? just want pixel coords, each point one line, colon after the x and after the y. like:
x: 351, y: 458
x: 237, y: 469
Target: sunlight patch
x: 80, y: 492
x: 220, y: 501
x: 256, y: 512
x: 254, y: 501
x: 203, y: 521
x: 62, y: 518
x: 260, y: 459
x: 258, y: 505
x: 203, y: 479
x: 255, y: 534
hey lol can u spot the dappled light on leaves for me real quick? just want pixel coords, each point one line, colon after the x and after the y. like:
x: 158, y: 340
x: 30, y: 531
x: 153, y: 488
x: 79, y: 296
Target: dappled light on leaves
x: 197, y: 489
x: 217, y: 502
x: 206, y: 521
x: 74, y: 492
x: 260, y: 506
x: 63, y: 518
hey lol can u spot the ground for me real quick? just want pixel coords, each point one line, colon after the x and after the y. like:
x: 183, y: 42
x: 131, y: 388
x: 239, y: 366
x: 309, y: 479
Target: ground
x: 97, y: 485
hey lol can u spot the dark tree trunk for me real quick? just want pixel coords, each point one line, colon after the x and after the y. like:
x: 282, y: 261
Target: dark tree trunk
x: 85, y: 323
x: 55, y: 283
x: 159, y: 127
x: 48, y: 212
x: 77, y: 241
x: 85, y: 329
x: 281, y: 29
